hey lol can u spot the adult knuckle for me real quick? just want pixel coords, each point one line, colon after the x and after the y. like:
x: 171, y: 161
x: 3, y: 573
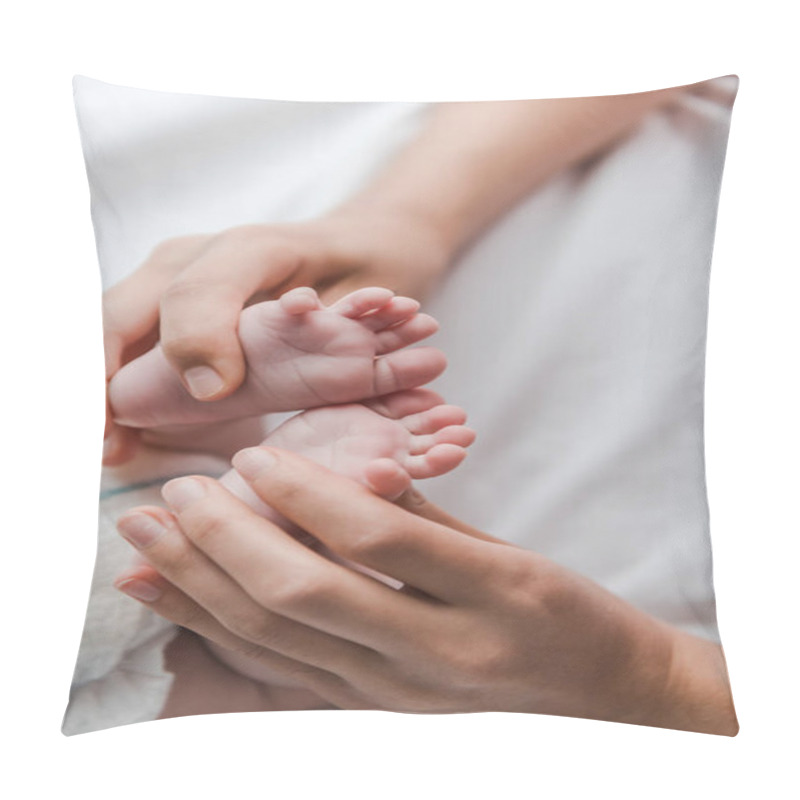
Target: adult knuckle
x: 474, y: 655
x: 239, y: 239
x: 184, y: 291
x: 375, y: 542
x: 554, y: 598
x: 188, y: 346
x: 204, y: 528
x: 170, y: 251
x: 287, y: 494
x: 474, y: 668
x: 174, y: 562
x: 192, y: 617
x: 487, y: 662
x: 203, y: 291
x: 297, y: 591
x: 252, y: 650
x: 517, y: 579
x: 257, y: 629
x: 243, y: 233
x: 265, y: 243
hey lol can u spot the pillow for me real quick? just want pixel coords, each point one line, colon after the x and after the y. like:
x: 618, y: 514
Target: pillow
x: 572, y: 317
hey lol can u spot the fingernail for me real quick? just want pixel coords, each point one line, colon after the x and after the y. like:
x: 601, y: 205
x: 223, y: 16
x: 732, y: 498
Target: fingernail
x: 252, y: 462
x: 181, y: 492
x: 203, y: 381
x: 140, y: 590
x: 141, y: 530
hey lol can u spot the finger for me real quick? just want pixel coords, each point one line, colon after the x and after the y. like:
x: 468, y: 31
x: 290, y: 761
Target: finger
x: 130, y: 308
x: 130, y: 314
x: 159, y: 540
x: 415, y: 502
x: 150, y: 588
x: 284, y: 576
x: 200, y: 310
x: 368, y: 530
x: 119, y: 445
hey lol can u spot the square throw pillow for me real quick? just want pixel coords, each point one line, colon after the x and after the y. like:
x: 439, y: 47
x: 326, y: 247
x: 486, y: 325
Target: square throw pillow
x: 303, y: 303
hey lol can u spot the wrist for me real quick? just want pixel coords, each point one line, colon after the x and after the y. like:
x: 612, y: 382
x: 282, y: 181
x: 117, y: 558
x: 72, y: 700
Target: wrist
x: 378, y: 245
x: 697, y: 694
x: 395, y: 224
x: 684, y: 683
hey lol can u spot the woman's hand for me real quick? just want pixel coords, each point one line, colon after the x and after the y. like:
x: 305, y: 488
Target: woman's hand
x: 189, y: 293
x: 468, y: 165
x: 480, y: 625
x: 202, y: 684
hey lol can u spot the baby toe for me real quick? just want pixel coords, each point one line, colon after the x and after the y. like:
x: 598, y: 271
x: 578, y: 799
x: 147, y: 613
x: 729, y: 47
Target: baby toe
x: 386, y: 478
x: 455, y: 434
x: 452, y: 434
x: 397, y: 310
x: 300, y: 300
x: 434, y: 418
x: 440, y: 459
x: 407, y: 369
x: 400, y: 405
x: 413, y: 330
x: 362, y: 301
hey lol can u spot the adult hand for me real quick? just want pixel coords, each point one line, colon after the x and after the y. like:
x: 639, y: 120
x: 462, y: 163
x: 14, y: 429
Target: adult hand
x: 469, y: 164
x: 481, y: 625
x: 189, y: 293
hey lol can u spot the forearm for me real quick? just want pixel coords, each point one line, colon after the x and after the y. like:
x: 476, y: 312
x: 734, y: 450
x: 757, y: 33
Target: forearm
x: 674, y: 680
x: 473, y: 161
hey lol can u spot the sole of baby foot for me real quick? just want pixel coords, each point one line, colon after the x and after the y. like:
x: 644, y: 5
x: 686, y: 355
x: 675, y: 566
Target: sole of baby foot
x: 299, y: 355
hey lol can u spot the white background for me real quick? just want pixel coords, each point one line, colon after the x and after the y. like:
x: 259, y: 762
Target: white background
x: 52, y: 385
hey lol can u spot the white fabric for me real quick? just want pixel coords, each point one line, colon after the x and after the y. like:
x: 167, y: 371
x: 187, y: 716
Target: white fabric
x: 575, y: 333
x: 119, y: 676
x: 575, y: 329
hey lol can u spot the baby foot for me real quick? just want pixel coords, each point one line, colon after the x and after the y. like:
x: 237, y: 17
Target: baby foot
x: 382, y: 443
x: 300, y: 354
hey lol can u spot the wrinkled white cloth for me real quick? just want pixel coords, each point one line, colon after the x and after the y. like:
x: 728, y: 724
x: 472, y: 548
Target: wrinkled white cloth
x: 575, y: 333
x: 574, y: 330
x: 119, y: 676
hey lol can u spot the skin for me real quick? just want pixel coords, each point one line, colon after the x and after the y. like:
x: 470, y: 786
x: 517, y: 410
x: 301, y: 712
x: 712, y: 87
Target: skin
x: 300, y: 354
x: 468, y: 166
x: 549, y: 641
x: 381, y: 443
x: 480, y: 625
